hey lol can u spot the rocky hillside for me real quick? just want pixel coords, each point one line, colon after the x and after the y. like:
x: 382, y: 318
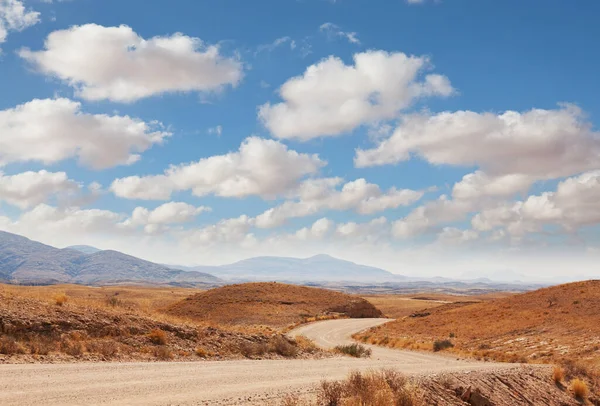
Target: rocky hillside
x: 25, y: 261
x: 272, y: 304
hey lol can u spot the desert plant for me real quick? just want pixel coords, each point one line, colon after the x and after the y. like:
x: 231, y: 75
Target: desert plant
x: 291, y: 400
x: 114, y: 301
x: 330, y: 393
x: 105, y: 348
x: 283, y: 347
x: 306, y: 344
x: 201, y: 352
x: 158, y: 337
x: 61, y: 299
x: 250, y: 349
x: 9, y: 346
x: 439, y: 345
x: 354, y: 350
x: 579, y: 388
x: 73, y: 348
x: 163, y: 353
x: 41, y: 346
x: 558, y: 374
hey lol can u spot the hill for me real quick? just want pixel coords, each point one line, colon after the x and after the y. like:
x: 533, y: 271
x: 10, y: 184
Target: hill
x: 24, y: 261
x: 547, y: 325
x: 272, y: 304
x: 314, y: 269
x: 39, y: 324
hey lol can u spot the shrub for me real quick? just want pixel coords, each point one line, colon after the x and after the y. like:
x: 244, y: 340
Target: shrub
x: 158, y: 337
x: 106, y: 348
x: 114, y: 301
x: 9, y: 346
x: 41, y: 346
x: 306, y: 344
x: 354, y: 350
x: 61, y: 299
x: 73, y: 348
x: 283, y: 347
x: 250, y: 350
x: 439, y: 345
x: 163, y: 353
x: 579, y: 388
x: 330, y: 393
x: 291, y: 400
x: 558, y: 374
x: 201, y: 352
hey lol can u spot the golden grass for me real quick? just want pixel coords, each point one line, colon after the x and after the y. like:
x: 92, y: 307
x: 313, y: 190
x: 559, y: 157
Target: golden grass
x: 579, y: 388
x: 544, y: 326
x: 558, y: 374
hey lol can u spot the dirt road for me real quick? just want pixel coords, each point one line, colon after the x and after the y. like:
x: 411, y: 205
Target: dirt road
x: 210, y: 383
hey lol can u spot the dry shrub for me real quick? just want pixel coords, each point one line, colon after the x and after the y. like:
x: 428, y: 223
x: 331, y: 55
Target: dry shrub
x: 558, y: 374
x: 61, y: 299
x: 579, y: 388
x: 106, y: 348
x: 251, y: 350
x: 201, y: 352
x: 9, y: 346
x: 439, y: 345
x: 158, y: 337
x: 73, y: 348
x: 306, y: 344
x: 163, y: 353
x: 354, y: 350
x: 282, y: 346
x: 330, y: 393
x: 41, y: 346
x: 383, y: 388
x: 291, y: 400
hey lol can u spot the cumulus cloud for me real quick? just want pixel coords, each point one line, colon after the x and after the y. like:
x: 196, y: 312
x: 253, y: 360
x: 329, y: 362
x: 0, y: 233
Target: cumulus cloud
x: 542, y: 143
x: 332, y: 98
x: 164, y: 215
x: 116, y: 64
x: 52, y: 130
x: 14, y: 16
x: 333, y: 31
x: 317, y: 195
x: 318, y: 230
x: 261, y: 167
x: 452, y: 235
x: 233, y: 230
x: 573, y: 205
x: 29, y: 189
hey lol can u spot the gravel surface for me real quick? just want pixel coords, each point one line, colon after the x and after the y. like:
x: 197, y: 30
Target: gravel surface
x: 212, y: 382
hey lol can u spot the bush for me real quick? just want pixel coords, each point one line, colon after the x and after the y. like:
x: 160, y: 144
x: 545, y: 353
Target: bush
x: 61, y: 299
x: 439, y: 345
x: 283, y: 347
x: 579, y: 388
x: 354, y: 350
x: 201, y: 352
x: 158, y: 337
x: 105, y: 348
x: 41, y: 346
x: 163, y: 353
x: 9, y: 346
x: 251, y: 350
x: 330, y: 393
x: 73, y: 348
x: 558, y: 374
x: 306, y: 344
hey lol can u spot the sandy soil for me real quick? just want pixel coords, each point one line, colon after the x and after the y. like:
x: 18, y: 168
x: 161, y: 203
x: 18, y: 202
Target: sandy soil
x: 212, y: 382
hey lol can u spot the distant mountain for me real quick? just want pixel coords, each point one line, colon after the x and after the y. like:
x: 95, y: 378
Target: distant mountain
x: 86, y: 249
x: 314, y: 269
x: 29, y: 262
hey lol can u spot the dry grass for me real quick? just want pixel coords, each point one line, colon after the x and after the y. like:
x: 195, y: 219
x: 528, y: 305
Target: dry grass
x: 374, y: 388
x: 122, y: 324
x: 549, y: 326
x: 579, y: 388
x: 276, y: 305
x: 354, y: 350
x: 558, y: 374
x: 61, y: 299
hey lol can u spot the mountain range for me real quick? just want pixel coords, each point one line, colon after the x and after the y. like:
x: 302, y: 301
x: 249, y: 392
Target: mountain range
x: 29, y: 262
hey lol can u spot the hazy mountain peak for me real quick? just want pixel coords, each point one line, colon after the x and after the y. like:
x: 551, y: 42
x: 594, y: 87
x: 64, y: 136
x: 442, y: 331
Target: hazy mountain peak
x: 86, y: 249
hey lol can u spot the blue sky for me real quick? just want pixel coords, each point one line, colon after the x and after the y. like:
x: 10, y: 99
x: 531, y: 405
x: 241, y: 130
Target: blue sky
x: 436, y: 137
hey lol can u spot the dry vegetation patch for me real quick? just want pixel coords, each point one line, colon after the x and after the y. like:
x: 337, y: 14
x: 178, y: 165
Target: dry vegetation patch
x: 276, y: 305
x: 548, y: 325
x: 90, y: 326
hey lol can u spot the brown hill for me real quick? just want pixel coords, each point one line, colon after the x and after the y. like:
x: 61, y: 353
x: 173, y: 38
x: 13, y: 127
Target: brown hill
x: 38, y: 326
x: 547, y: 325
x: 270, y: 304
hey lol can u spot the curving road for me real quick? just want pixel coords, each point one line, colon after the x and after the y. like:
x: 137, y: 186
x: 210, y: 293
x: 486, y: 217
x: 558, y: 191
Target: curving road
x: 212, y: 382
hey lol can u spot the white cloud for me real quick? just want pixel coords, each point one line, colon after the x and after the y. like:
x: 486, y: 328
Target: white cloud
x: 234, y: 230
x: 334, y: 31
x: 29, y: 189
x: 261, y: 167
x: 158, y: 219
x: 318, y: 230
x: 573, y: 205
x: 217, y: 130
x: 52, y: 130
x: 546, y: 144
x: 452, y: 235
x: 15, y: 17
x: 332, y: 98
x: 276, y: 44
x: 316, y: 195
x: 117, y: 64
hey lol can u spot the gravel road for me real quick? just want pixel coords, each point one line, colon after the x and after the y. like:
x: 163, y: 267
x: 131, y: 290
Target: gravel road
x: 211, y: 382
